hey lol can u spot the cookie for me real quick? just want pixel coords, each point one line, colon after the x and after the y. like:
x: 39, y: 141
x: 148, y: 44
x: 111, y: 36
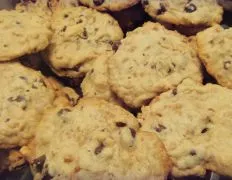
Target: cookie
x: 22, y: 33
x: 80, y: 36
x: 193, y: 121
x: 111, y: 5
x: 149, y: 61
x: 183, y: 12
x: 24, y: 97
x: 215, y: 51
x: 97, y: 140
x: 96, y: 82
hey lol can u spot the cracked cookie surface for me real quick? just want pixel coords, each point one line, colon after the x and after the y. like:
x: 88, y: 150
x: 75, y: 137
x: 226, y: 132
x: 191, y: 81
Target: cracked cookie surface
x: 149, y: 61
x: 98, y: 140
x: 193, y: 122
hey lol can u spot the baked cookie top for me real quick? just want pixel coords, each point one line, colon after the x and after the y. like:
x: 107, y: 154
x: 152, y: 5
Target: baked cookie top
x: 96, y: 81
x: 111, y: 5
x: 24, y: 97
x: 193, y: 121
x: 215, y: 51
x: 80, y: 36
x: 22, y: 33
x: 185, y: 12
x: 98, y: 140
x: 149, y: 61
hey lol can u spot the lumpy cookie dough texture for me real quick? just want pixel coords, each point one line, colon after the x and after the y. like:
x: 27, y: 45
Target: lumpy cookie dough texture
x: 185, y: 12
x: 112, y: 5
x: 149, y: 61
x: 22, y: 33
x: 24, y: 97
x: 80, y: 36
x: 98, y: 140
x: 215, y: 51
x: 96, y: 81
x: 193, y: 121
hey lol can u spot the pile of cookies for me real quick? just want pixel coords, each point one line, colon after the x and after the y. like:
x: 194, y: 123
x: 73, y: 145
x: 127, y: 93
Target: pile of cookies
x: 87, y: 95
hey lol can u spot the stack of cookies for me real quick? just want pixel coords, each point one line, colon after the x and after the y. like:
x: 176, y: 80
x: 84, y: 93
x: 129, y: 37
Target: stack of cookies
x: 116, y: 89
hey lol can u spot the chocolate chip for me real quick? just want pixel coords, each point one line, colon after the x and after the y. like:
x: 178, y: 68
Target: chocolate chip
x: 169, y: 70
x: 193, y: 153
x: 98, y: 2
x: 140, y: 125
x: 64, y: 29
x: 174, y: 91
x: 34, y: 87
x: 79, y: 21
x: 120, y: 124
x: 99, y: 148
x: 189, y: 8
x: 160, y: 128
x: 133, y: 132
x: 23, y: 78
x: 204, y: 130
x: 38, y: 163
x: 115, y: 45
x: 7, y: 120
x: 62, y: 111
x: 161, y: 10
x: 145, y: 2
x: 227, y: 64
x: 66, y: 15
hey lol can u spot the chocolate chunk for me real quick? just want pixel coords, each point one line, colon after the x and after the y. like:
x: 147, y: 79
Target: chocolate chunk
x: 120, y: 124
x: 98, y: 2
x: 79, y: 21
x: 174, y: 91
x: 66, y: 16
x: 193, y: 153
x: 62, y: 111
x: 38, y: 163
x: 99, y: 148
x: 161, y: 10
x: 160, y: 128
x: 115, y: 45
x: 145, y: 2
x: 133, y: 132
x: 204, y: 130
x: 64, y: 29
x: 227, y: 64
x: 189, y: 8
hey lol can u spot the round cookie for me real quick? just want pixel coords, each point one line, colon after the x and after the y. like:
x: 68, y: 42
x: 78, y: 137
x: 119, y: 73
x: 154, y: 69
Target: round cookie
x: 185, y: 12
x: 214, y: 47
x: 96, y: 81
x: 193, y: 121
x: 80, y: 36
x: 97, y: 140
x: 111, y: 5
x: 22, y: 33
x: 24, y: 97
x: 149, y: 61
